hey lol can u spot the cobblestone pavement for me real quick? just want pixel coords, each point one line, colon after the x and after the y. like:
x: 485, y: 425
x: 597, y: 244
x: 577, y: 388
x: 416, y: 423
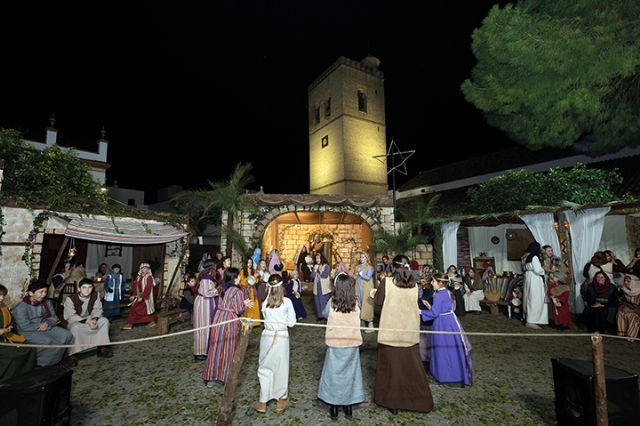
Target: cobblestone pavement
x: 158, y: 382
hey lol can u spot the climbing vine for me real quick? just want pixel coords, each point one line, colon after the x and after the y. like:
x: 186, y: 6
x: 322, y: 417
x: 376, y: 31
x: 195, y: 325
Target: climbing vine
x: 38, y: 223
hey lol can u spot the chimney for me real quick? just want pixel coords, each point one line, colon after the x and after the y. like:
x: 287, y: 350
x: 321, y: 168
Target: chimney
x: 52, y: 132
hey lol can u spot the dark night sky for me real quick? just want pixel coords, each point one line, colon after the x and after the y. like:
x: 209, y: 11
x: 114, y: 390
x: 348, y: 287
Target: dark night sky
x: 215, y: 78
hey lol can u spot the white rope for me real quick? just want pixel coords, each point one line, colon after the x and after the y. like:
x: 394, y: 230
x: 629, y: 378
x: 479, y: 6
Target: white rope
x: 251, y: 320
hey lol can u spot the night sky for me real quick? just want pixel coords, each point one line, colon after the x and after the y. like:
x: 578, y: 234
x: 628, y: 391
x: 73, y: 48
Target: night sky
x: 215, y: 79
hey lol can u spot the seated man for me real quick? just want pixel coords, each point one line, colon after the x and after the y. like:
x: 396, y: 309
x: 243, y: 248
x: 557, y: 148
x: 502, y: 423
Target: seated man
x: 85, y: 320
x: 36, y: 320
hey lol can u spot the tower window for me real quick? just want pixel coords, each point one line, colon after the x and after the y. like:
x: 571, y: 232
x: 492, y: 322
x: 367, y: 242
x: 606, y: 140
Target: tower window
x: 325, y: 141
x: 316, y: 115
x: 362, y: 101
x: 327, y: 108
x: 131, y: 202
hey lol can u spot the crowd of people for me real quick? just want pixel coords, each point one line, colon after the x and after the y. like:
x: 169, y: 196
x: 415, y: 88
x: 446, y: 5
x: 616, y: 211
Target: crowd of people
x: 405, y: 298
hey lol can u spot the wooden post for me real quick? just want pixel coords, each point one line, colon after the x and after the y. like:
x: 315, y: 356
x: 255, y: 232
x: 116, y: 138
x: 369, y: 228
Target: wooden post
x: 600, y: 387
x: 163, y: 304
x: 225, y: 416
x: 58, y: 257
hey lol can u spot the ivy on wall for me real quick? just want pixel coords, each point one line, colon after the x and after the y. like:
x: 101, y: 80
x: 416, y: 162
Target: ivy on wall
x: 38, y: 223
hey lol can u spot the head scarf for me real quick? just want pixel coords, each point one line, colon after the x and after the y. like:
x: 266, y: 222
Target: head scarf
x: 604, y: 287
x: 634, y: 287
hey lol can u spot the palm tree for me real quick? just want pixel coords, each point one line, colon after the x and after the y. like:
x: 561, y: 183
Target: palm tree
x: 418, y: 212
x: 387, y: 242
x: 225, y: 195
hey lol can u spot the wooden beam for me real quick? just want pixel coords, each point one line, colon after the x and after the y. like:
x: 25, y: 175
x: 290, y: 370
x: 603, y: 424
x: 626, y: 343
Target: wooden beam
x: 61, y: 250
x: 164, y: 304
x: 341, y: 218
x: 225, y: 416
x: 600, y: 388
x: 297, y: 218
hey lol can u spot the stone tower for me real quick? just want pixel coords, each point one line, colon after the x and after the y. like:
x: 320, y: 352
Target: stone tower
x: 347, y: 129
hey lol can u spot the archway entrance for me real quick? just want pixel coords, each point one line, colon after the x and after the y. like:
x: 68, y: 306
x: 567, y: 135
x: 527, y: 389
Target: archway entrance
x: 339, y: 235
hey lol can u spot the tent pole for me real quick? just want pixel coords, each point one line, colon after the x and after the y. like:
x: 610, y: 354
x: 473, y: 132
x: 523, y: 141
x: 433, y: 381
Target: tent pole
x: 164, y: 304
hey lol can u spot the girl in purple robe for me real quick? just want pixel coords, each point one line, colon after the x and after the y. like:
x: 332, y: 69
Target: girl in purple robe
x: 293, y: 290
x: 450, y: 353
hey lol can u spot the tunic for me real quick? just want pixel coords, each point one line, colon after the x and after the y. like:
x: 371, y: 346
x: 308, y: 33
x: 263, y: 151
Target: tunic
x: 273, y: 364
x: 475, y: 294
x: 534, y: 293
x: 14, y: 360
x: 90, y: 307
x: 204, y: 307
x: 112, y: 294
x: 292, y: 288
x: 628, y: 316
x: 321, y: 288
x: 223, y: 338
x: 450, y: 353
x: 143, y: 307
x: 364, y: 285
x: 401, y: 382
x: 250, y: 293
x: 28, y: 317
x: 341, y: 379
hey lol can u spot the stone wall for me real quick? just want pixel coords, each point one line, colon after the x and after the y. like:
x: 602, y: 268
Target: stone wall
x: 347, y: 240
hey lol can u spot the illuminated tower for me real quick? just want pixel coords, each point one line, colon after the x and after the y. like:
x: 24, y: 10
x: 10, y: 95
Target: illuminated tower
x: 347, y: 129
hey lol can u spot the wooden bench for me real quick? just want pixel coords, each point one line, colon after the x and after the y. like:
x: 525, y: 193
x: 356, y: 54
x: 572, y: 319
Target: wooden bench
x: 166, y: 318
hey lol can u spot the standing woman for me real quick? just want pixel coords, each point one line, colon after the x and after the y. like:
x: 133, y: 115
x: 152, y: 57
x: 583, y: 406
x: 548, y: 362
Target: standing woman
x: 364, y: 285
x: 401, y: 382
x: 321, y: 284
x: 204, y: 307
x: 222, y: 342
x: 534, y: 290
x: 248, y: 282
x: 143, y: 307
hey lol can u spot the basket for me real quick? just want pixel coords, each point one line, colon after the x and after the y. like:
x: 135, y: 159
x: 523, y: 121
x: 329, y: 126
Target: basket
x: 492, y: 296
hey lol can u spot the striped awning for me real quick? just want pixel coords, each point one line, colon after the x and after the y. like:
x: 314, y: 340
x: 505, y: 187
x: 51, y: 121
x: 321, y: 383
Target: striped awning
x: 121, y: 230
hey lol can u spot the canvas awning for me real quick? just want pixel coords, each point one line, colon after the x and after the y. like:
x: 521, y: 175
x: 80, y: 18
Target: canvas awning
x: 120, y: 230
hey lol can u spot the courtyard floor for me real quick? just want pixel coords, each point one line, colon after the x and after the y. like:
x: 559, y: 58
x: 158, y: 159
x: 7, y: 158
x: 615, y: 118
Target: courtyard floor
x: 158, y: 382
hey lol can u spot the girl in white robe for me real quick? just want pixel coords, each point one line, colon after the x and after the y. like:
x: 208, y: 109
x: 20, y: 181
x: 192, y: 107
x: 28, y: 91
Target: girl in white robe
x: 273, y: 364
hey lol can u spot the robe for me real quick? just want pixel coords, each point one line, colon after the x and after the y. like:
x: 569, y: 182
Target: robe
x: 534, y: 293
x: 290, y: 289
x: 450, y: 353
x: 223, y: 338
x: 364, y: 285
x: 28, y: 317
x: 204, y: 307
x: 77, y: 322
x: 321, y: 288
x: 113, y: 286
x: 143, y: 308
x: 273, y: 363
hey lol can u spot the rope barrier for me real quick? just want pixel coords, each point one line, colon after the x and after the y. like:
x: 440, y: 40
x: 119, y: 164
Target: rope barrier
x: 303, y: 324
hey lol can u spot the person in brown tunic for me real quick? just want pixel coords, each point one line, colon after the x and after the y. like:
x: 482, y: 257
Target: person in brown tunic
x: 401, y: 382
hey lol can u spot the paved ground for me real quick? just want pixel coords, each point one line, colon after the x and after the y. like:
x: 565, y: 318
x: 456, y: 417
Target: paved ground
x: 158, y: 383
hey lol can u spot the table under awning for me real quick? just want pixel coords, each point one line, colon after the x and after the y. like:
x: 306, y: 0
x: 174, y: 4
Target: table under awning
x: 120, y: 230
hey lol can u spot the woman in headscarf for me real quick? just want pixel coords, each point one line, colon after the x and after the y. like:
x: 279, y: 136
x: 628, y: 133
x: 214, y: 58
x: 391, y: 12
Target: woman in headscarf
x: 301, y: 264
x: 602, y: 302
x: 534, y: 290
x: 401, y: 381
x: 628, y: 317
x: 558, y: 293
x: 321, y: 284
x: 143, y: 307
x: 248, y: 282
x: 204, y: 308
x: 364, y: 285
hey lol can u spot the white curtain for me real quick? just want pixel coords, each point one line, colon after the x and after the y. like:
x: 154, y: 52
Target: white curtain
x: 480, y: 242
x: 586, y: 231
x: 449, y: 243
x: 96, y: 254
x: 541, y: 227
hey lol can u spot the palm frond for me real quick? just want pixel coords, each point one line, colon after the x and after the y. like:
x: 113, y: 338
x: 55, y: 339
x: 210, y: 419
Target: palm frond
x: 240, y: 244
